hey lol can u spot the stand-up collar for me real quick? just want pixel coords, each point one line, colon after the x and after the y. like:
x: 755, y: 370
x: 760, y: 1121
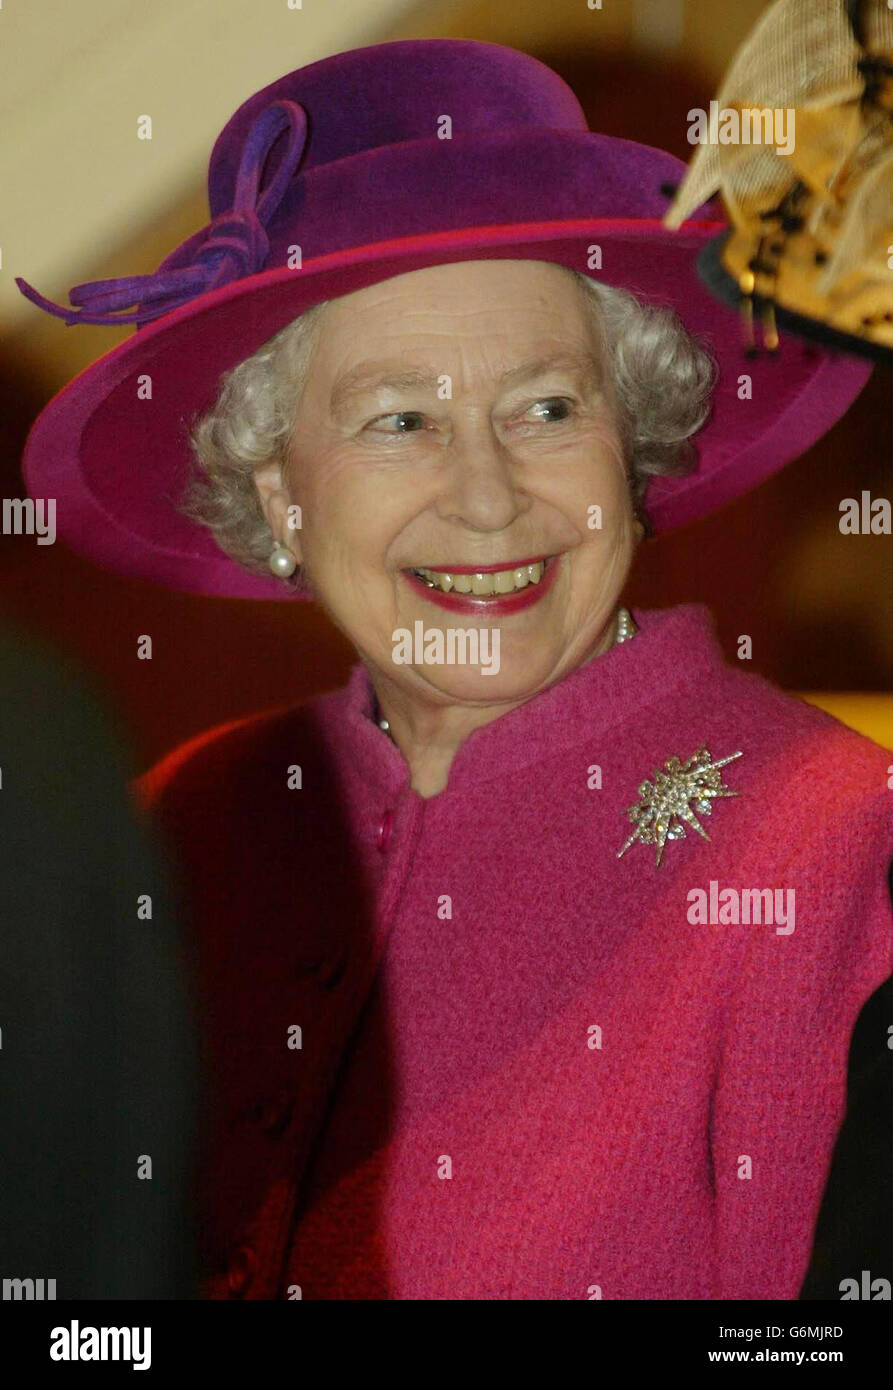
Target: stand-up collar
x: 673, y: 648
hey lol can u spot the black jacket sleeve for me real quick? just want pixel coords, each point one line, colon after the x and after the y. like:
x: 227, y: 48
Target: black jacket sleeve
x: 97, y: 1052
x: 854, y: 1232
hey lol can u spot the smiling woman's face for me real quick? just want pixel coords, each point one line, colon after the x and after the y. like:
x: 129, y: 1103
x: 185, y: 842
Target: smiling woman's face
x: 459, y: 419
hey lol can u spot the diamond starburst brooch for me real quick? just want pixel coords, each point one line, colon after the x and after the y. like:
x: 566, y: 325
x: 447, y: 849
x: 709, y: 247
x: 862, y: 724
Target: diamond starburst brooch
x: 668, y: 804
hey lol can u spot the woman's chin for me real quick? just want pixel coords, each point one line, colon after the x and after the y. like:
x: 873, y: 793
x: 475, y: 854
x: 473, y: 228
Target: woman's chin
x: 501, y: 681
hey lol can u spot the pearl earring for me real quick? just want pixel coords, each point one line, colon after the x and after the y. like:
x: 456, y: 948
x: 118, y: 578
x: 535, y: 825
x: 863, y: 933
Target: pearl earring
x: 282, y: 562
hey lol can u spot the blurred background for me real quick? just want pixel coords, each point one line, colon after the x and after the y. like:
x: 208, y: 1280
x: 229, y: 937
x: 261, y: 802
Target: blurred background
x: 83, y: 200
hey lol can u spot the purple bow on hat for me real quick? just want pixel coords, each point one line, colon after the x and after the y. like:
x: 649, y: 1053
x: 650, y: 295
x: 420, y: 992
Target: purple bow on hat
x: 233, y: 245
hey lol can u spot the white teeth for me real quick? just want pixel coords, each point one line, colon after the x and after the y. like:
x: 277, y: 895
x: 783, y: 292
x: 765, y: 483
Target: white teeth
x: 506, y: 581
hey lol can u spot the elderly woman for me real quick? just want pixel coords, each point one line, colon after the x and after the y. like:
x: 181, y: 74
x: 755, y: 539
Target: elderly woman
x: 527, y: 962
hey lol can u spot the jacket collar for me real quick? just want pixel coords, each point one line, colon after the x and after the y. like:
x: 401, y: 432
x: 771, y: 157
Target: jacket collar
x: 674, y: 650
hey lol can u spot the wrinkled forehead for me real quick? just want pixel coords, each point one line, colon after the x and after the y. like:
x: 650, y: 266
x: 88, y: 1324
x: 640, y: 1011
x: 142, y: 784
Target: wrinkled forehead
x: 465, y: 287
x: 502, y: 319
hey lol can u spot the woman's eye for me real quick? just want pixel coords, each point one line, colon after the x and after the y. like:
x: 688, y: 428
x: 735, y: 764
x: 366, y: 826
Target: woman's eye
x: 554, y: 409
x: 411, y: 419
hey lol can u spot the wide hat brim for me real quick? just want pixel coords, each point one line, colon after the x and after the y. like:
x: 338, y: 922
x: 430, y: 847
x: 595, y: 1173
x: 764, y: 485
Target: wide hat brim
x: 115, y: 460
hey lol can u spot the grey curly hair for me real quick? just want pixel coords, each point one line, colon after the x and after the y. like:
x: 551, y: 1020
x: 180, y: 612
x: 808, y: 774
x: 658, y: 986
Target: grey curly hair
x: 663, y: 379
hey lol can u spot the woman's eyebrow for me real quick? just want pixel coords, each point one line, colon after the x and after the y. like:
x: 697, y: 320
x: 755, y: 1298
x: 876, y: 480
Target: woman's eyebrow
x: 374, y: 376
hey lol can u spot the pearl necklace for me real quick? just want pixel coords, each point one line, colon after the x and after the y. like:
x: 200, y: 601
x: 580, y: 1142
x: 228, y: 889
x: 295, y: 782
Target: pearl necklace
x: 626, y: 629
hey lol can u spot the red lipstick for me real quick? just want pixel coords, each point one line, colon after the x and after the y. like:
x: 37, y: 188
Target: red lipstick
x: 488, y: 605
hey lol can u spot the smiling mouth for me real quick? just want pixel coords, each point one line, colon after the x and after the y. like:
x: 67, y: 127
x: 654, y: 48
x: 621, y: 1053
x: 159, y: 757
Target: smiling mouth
x: 484, y: 583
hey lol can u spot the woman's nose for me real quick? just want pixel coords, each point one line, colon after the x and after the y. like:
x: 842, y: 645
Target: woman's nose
x: 481, y: 485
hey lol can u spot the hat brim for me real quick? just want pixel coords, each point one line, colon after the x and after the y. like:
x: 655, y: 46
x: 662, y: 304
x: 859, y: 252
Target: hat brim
x: 114, y: 456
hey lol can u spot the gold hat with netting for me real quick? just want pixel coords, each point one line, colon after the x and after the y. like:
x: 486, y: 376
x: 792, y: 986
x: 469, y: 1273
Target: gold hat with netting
x: 811, y: 235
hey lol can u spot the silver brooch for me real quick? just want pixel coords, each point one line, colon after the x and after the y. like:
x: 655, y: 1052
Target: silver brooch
x: 668, y: 804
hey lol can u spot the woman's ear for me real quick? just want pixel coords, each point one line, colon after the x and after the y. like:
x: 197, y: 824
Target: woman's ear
x: 277, y: 506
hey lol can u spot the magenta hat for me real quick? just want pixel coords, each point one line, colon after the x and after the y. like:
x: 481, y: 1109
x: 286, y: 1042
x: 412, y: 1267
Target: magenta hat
x: 345, y: 159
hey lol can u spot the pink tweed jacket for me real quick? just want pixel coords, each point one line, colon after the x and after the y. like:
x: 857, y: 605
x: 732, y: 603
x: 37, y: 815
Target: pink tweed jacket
x: 455, y: 1048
